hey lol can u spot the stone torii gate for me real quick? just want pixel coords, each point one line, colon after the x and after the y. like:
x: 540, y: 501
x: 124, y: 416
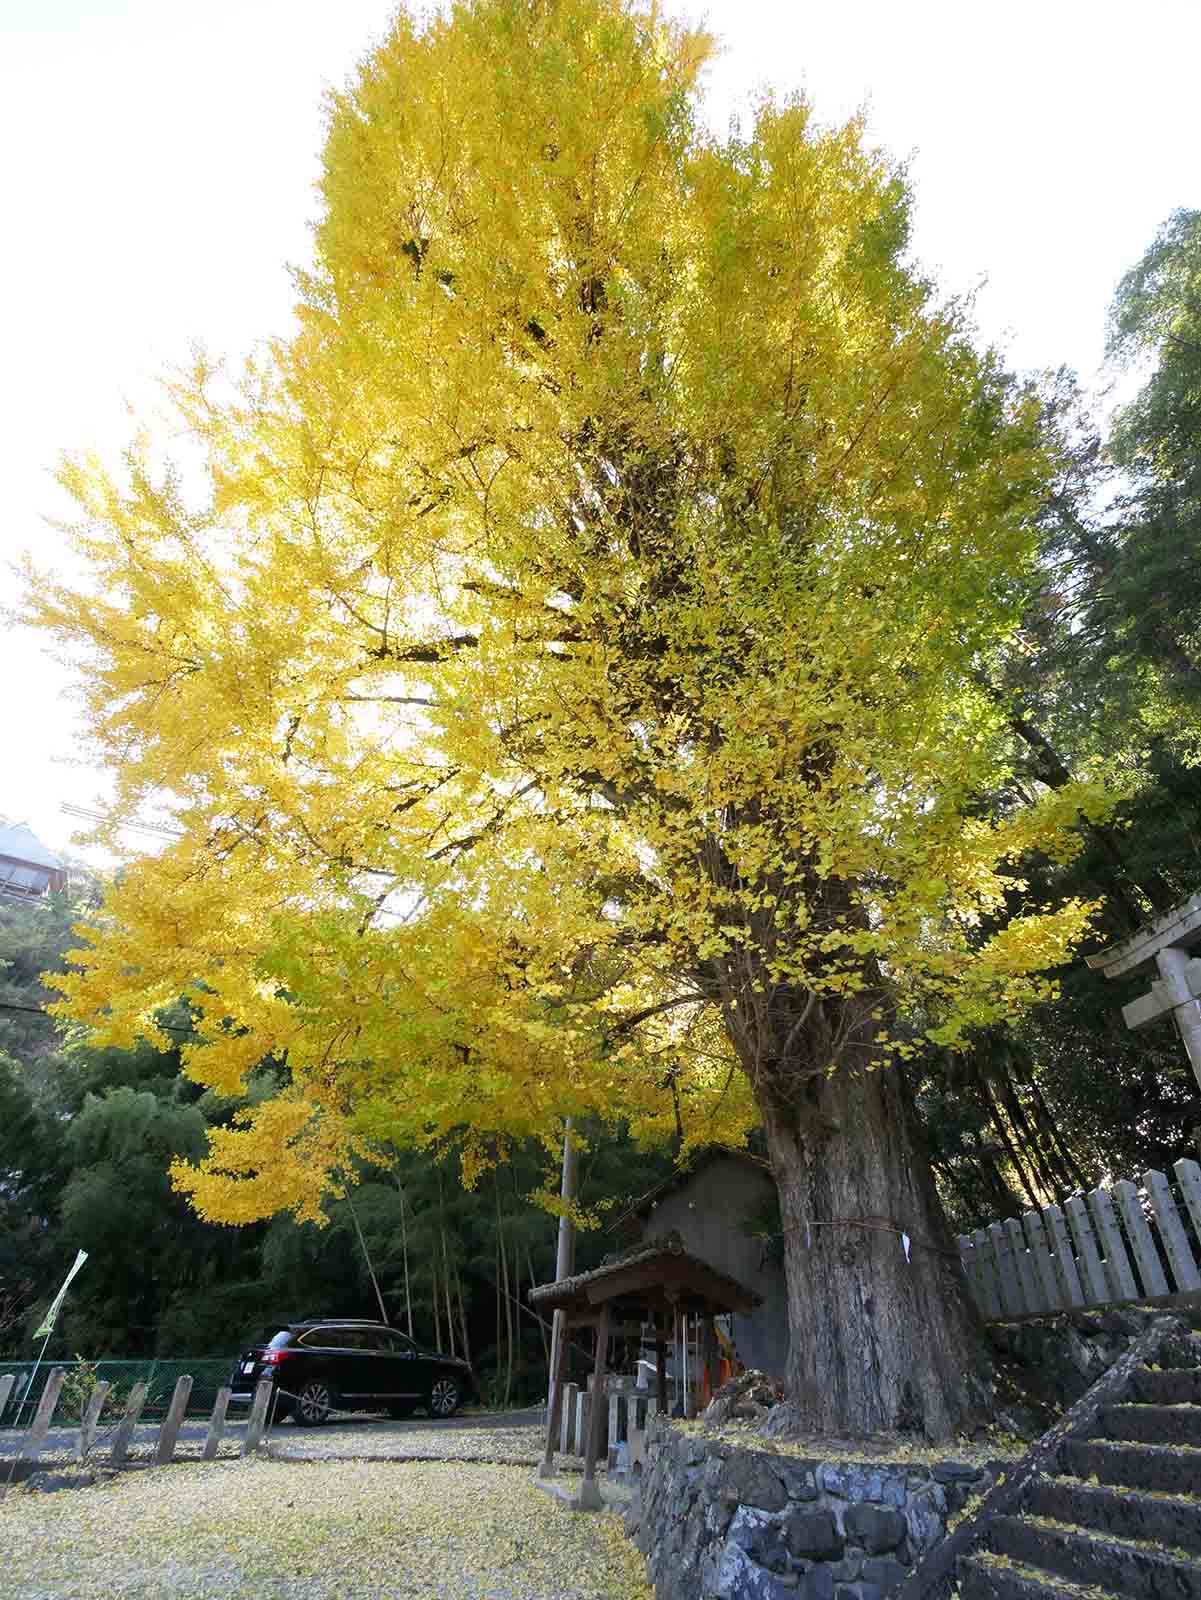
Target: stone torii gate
x: 1177, y: 990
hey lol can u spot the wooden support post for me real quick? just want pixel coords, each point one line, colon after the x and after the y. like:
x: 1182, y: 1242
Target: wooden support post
x: 216, y: 1425
x: 168, y: 1433
x: 133, y: 1410
x: 35, y: 1441
x: 6, y: 1388
x: 554, y: 1401
x: 91, y: 1420
x: 258, y: 1417
x: 589, y: 1497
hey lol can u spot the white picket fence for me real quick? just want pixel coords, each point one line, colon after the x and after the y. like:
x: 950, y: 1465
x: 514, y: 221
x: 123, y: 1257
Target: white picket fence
x: 1114, y: 1244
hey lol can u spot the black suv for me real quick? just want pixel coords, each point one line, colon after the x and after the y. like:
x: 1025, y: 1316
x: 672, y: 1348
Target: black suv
x: 340, y: 1365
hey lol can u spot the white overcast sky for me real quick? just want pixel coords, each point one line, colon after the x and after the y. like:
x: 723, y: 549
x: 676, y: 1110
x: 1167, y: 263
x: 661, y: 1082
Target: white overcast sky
x: 159, y: 157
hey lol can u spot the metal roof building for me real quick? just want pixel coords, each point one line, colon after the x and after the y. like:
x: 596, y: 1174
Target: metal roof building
x: 27, y: 869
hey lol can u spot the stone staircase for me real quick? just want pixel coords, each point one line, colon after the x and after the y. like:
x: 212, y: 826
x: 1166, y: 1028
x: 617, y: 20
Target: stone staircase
x: 1111, y: 1510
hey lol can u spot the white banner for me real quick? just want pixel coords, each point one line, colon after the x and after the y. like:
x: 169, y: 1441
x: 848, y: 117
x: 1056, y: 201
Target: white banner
x: 51, y: 1316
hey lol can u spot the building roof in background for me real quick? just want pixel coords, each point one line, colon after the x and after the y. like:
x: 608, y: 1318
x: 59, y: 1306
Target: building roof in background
x: 637, y: 1211
x: 658, y: 1275
x: 19, y: 842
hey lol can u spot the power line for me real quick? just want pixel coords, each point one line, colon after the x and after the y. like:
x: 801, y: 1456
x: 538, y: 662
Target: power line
x: 40, y: 1011
x: 160, y: 829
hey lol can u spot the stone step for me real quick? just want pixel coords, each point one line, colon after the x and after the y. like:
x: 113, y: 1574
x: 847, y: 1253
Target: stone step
x: 1151, y: 1424
x: 1122, y: 1513
x: 1171, y: 1470
x: 1139, y: 1571
x: 981, y: 1578
x: 1169, y: 1386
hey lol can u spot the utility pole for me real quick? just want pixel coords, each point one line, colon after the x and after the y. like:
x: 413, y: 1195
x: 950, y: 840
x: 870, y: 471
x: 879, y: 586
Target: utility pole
x: 564, y: 1263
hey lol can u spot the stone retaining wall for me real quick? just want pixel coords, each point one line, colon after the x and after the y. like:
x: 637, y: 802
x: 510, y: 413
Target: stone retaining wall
x: 720, y: 1522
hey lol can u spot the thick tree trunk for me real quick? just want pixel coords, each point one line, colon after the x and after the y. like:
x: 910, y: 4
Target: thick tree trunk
x: 880, y: 1341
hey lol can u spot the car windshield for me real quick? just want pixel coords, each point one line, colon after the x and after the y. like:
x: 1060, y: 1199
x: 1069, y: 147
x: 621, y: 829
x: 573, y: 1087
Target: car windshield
x: 276, y: 1341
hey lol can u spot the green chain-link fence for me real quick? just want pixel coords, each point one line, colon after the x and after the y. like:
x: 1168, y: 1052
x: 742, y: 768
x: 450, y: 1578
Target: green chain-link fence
x: 160, y: 1375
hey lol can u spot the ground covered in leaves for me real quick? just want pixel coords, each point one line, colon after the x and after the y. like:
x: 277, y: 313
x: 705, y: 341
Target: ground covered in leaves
x: 281, y: 1530
x: 520, y: 1445
x: 879, y: 1449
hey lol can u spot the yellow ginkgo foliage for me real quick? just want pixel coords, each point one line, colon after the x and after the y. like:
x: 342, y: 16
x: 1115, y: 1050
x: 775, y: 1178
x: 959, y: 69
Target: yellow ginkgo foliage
x: 567, y: 688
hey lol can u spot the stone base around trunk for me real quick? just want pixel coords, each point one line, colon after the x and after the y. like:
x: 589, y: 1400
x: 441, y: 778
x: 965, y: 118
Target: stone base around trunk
x: 720, y: 1522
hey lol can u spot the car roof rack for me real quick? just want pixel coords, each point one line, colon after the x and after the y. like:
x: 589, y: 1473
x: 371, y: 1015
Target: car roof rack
x: 341, y: 1322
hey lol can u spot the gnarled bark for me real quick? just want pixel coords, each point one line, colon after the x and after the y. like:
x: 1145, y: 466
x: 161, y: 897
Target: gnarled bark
x: 881, y: 1340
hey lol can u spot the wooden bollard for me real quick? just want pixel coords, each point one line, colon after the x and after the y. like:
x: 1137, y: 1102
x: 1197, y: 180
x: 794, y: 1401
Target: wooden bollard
x: 169, y: 1432
x: 216, y: 1424
x: 36, y: 1440
x: 133, y: 1410
x: 91, y: 1420
x: 258, y: 1417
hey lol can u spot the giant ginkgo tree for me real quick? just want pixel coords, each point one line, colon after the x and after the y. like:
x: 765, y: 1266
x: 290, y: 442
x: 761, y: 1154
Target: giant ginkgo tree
x: 567, y: 688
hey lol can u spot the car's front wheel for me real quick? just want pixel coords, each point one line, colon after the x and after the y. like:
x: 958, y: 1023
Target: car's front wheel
x: 313, y: 1404
x: 444, y: 1398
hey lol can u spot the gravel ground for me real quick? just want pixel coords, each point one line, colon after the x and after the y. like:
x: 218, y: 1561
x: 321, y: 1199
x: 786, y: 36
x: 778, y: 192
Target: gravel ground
x: 331, y: 1530
x: 520, y: 1445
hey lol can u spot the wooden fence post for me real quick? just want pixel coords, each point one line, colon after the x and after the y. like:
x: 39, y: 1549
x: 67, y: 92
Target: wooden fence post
x: 1188, y: 1176
x: 1040, y: 1250
x: 986, y: 1266
x: 133, y: 1410
x: 258, y: 1416
x: 1150, y: 1269
x: 6, y: 1388
x: 1064, y: 1258
x: 971, y: 1270
x: 1012, y: 1300
x: 1117, y: 1262
x: 1095, y: 1288
x: 91, y: 1419
x: 216, y: 1424
x: 168, y: 1433
x: 1171, y: 1231
x: 35, y: 1440
x: 1021, y: 1256
x: 1050, y: 1262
